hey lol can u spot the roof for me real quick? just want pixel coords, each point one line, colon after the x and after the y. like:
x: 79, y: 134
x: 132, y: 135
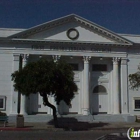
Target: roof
x: 131, y: 37
x: 5, y: 32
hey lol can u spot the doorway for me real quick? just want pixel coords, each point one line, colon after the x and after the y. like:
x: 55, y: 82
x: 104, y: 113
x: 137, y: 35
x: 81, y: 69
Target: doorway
x: 99, y: 100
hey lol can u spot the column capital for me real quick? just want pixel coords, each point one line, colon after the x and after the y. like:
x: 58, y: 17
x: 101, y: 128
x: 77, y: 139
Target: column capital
x: 124, y: 61
x: 24, y: 59
x: 116, y: 60
x: 16, y: 57
x: 86, y: 58
x: 24, y: 56
x: 56, y: 57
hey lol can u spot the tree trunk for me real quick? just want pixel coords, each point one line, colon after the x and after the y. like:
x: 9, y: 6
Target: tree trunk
x: 47, y: 103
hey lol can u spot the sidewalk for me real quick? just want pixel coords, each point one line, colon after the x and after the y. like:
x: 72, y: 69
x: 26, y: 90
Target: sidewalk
x: 78, y: 126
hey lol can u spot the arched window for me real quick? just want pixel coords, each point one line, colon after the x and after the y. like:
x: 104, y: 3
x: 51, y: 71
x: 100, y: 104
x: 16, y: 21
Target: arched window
x: 99, y: 89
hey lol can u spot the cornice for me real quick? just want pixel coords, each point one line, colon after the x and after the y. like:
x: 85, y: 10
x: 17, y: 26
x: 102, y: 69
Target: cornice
x: 63, y: 42
x: 102, y: 31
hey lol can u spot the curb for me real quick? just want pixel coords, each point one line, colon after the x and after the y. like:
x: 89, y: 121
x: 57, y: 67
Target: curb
x: 61, y: 129
x: 114, y: 128
x: 14, y: 129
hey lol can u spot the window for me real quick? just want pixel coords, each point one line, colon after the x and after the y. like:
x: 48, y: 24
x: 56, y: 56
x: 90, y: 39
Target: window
x: 74, y: 66
x: 2, y: 102
x: 137, y: 104
x: 99, y: 89
x: 72, y: 34
x: 99, y: 67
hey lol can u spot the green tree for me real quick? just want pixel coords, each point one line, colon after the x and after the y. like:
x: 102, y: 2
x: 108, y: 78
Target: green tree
x: 46, y: 78
x: 134, y: 80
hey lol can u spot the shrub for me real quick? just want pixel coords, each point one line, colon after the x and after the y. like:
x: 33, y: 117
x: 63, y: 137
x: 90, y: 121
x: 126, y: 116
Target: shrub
x: 2, y: 114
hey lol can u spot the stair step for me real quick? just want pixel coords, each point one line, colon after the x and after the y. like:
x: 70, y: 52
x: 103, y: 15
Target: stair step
x: 76, y: 118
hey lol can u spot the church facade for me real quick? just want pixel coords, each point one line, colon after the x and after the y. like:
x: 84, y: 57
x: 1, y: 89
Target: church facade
x: 101, y: 59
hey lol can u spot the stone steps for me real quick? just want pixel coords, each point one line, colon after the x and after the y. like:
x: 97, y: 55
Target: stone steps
x: 77, y: 118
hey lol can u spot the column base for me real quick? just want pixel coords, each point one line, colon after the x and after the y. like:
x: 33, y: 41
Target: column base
x: 115, y: 113
x: 125, y: 112
x: 23, y: 113
x: 85, y: 111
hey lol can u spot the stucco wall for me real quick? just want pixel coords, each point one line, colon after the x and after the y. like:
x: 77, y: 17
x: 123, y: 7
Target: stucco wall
x: 133, y: 62
x: 5, y: 78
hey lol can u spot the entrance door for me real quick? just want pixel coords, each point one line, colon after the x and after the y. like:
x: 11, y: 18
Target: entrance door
x: 99, y: 100
x: 36, y: 105
x: 33, y: 104
x: 63, y: 108
x: 73, y: 109
x: 41, y: 108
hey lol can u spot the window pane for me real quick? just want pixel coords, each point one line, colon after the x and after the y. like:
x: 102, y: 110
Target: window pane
x: 74, y: 66
x: 137, y: 104
x: 99, y: 67
x: 1, y: 103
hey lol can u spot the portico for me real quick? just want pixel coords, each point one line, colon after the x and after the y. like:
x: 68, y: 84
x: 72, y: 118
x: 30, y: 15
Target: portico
x: 101, y: 61
x: 86, y: 79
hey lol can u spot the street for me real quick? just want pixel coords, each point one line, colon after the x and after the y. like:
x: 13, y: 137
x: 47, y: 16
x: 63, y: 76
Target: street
x: 53, y: 135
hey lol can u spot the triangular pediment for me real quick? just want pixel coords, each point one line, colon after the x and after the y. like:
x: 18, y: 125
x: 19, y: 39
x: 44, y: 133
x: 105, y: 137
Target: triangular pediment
x: 71, y: 28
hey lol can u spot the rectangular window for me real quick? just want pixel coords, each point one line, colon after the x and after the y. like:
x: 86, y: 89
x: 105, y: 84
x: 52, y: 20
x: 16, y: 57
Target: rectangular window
x: 2, y: 102
x: 74, y: 66
x: 136, y: 103
x: 99, y: 67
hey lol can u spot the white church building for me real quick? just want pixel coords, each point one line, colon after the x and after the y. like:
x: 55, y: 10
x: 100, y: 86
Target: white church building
x: 101, y: 59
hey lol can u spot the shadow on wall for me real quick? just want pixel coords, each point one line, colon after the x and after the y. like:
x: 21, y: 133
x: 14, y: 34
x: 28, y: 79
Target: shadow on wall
x: 72, y: 124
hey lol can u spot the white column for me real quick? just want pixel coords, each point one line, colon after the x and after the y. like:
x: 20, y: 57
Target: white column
x: 14, y: 105
x: 116, y: 85
x: 124, y: 86
x: 23, y: 108
x: 56, y: 58
x: 85, y: 109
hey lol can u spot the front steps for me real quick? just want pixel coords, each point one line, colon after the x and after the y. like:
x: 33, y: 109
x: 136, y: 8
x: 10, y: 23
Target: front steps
x: 79, y: 118
x: 115, y: 118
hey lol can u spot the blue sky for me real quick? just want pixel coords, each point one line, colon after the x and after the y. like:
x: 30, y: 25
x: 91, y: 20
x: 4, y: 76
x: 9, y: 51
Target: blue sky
x: 120, y: 16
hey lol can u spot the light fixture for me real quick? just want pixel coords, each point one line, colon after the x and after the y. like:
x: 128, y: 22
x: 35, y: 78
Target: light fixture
x: 101, y: 58
x: 71, y: 57
x: 40, y: 56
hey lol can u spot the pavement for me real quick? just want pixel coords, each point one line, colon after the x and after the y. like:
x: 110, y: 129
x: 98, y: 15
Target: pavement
x: 68, y: 126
